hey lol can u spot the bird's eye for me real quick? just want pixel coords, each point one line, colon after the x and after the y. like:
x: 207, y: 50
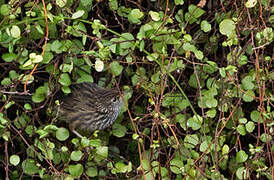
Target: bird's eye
x: 114, y: 99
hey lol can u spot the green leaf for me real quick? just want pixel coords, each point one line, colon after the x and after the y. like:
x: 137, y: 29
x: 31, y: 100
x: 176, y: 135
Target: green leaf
x: 121, y: 167
x: 247, y: 83
x: 42, y: 133
x: 116, y: 68
x: 135, y: 16
x: 15, y: 32
x: 250, y: 3
x: 14, y: 160
x: 47, y: 57
x: 211, y: 102
x: 9, y: 57
x: 255, y: 116
x: 126, y: 42
x: 61, y: 3
x: 222, y: 72
x: 95, y: 142
x: 29, y: 166
x: 113, y: 5
x: 211, y: 113
x: 176, y: 165
x: 242, y: 60
x: 204, y: 147
x: 66, y: 89
x: 85, y: 77
x: 76, y: 155
x: 205, y: 26
x: 66, y: 67
x: 5, y: 9
x: 243, y: 120
x: 99, y: 65
x: 193, y: 81
x: 199, y: 54
x: 155, y: 78
x: 118, y: 130
x: 265, y: 138
x: 195, y: 11
x: 30, y: 130
x: 241, y: 129
x: 189, y: 47
x: 76, y: 170
x: 57, y: 46
x: 64, y: 79
x: 225, y: 149
x: 40, y: 94
x: 227, y: 27
x: 78, y: 14
x: 13, y: 74
x: 188, y: 37
x: 6, y: 81
x: 179, y: 2
x: 248, y: 96
x: 242, y: 173
x: 155, y: 16
x: 92, y: 172
x: 37, y: 58
x: 102, y: 150
x: 191, y: 140
x: 62, y: 134
x: 172, y: 99
x: 195, y: 122
x: 250, y: 126
x: 241, y: 156
x: 27, y: 106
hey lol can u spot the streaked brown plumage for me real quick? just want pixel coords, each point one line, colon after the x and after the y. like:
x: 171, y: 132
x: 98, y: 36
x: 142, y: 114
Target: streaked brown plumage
x: 90, y: 107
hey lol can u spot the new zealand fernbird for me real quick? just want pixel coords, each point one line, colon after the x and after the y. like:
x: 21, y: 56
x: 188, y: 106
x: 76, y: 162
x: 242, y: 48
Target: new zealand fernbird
x: 90, y: 107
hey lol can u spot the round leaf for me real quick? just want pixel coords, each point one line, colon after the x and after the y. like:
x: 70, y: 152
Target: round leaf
x: 205, y: 26
x: 204, y: 147
x: 241, y: 156
x: 227, y: 27
x: 250, y: 126
x: 242, y: 173
x: 76, y: 155
x: 116, y: 68
x: 103, y: 151
x: 29, y: 166
x: 176, y: 165
x: 64, y: 79
x: 255, y: 116
x: 225, y: 149
x: 247, y: 83
x: 78, y: 14
x: 92, y: 172
x: 249, y: 96
x: 15, y: 32
x: 119, y: 130
x: 241, y: 129
x: 40, y: 94
x: 14, y: 160
x: 61, y: 3
x: 154, y: 15
x: 8, y: 57
x: 99, y: 65
x: 6, y: 81
x: 250, y: 3
x: 62, y: 134
x: 76, y: 170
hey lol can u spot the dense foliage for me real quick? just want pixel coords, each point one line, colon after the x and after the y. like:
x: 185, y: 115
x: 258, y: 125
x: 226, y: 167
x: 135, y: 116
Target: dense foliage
x: 196, y: 77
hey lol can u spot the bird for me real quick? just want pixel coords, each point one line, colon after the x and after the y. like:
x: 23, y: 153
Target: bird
x: 90, y: 107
